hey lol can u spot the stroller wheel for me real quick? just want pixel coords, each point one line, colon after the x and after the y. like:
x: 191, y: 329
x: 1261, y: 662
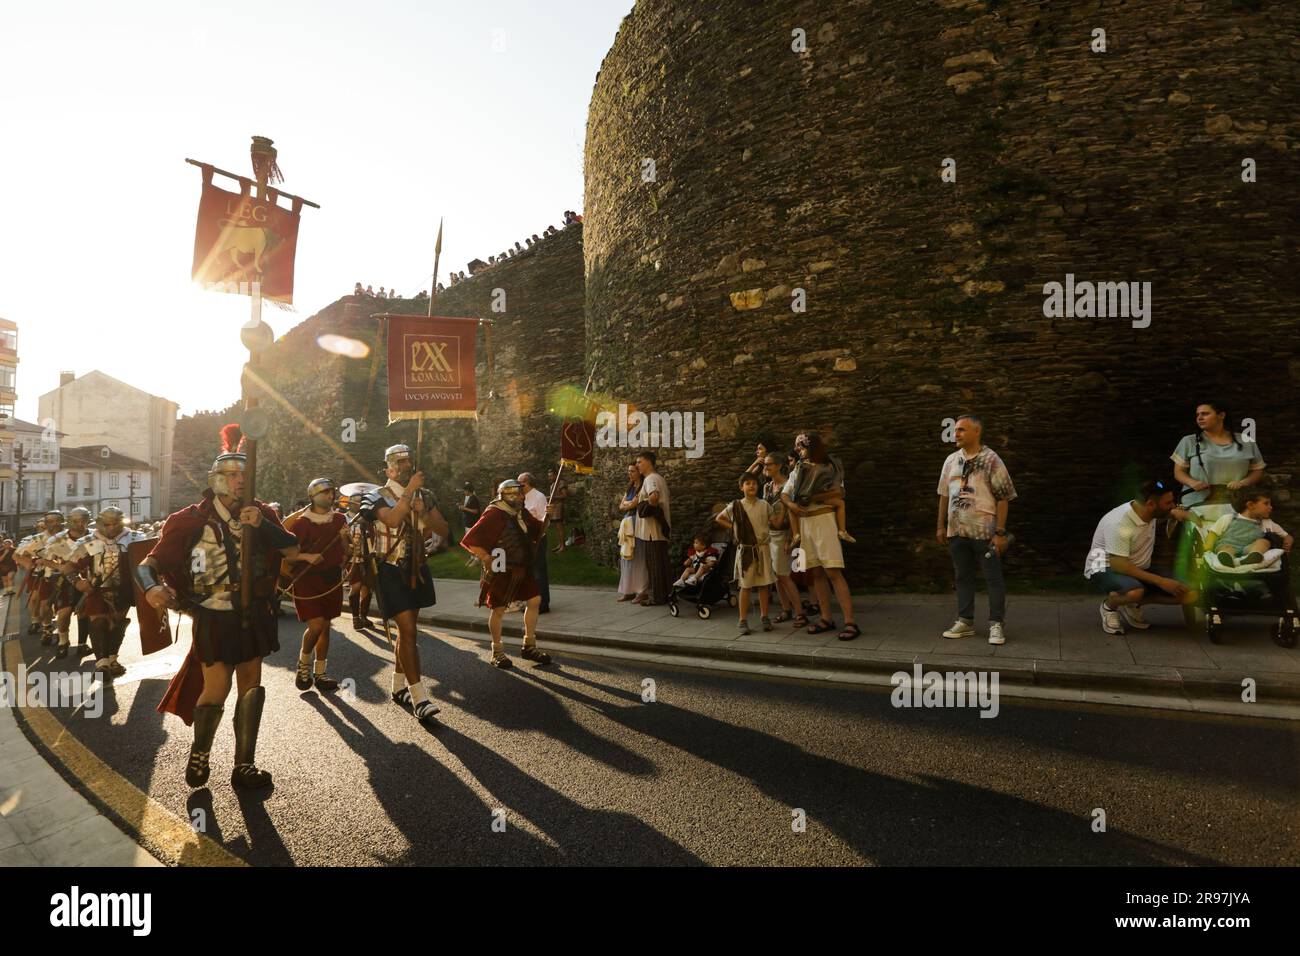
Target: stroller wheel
x: 731, y: 600
x: 704, y: 612
x: 1284, y: 632
x: 672, y: 608
x: 1212, y: 622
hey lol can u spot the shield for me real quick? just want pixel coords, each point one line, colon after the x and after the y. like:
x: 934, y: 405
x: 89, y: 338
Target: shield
x: 155, y: 629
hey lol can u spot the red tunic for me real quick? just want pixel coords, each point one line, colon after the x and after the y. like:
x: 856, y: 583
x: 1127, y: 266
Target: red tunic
x: 517, y: 582
x: 318, y: 593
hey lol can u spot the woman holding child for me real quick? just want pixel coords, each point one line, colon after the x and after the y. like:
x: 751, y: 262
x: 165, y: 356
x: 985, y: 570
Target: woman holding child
x: 633, y: 578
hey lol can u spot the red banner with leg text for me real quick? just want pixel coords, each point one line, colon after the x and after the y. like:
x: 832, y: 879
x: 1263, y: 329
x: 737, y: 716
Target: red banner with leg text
x: 242, y: 243
x: 431, y: 367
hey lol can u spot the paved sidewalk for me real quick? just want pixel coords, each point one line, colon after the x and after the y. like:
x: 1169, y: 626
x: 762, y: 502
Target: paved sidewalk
x: 1055, y: 646
x: 44, y: 821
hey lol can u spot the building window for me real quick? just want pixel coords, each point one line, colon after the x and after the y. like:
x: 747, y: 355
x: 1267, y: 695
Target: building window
x: 9, y: 340
x: 88, y: 482
x: 135, y: 506
x: 113, y: 480
x: 8, y: 375
x: 72, y: 483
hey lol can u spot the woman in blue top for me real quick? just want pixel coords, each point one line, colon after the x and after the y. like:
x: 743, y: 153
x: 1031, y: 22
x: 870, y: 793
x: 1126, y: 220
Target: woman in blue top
x: 1215, y: 461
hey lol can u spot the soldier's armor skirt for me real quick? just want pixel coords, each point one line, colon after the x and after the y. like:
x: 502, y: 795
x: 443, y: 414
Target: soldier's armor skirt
x: 97, y: 601
x: 45, y: 588
x: 356, y: 574
x: 31, y: 584
x: 515, y: 583
x: 220, y: 638
x: 63, y: 593
x: 396, y: 594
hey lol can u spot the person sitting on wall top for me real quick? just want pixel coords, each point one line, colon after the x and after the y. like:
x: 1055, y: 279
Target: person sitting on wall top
x: 370, y: 291
x: 536, y: 238
x: 518, y: 247
x: 357, y: 290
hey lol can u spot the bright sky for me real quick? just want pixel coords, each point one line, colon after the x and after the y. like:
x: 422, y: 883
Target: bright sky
x: 388, y: 113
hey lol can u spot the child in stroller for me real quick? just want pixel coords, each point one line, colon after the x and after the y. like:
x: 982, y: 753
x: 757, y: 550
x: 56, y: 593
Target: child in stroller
x: 1243, y: 565
x: 712, y: 586
x: 700, y: 560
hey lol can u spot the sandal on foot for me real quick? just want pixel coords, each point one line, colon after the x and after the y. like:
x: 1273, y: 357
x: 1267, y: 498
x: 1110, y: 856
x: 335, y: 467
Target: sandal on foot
x: 245, y: 776
x: 531, y: 652
x: 800, y: 620
x: 403, y: 697
x: 302, y: 680
x: 821, y: 627
x: 767, y: 624
x: 850, y: 632
x: 782, y: 617
x: 501, y: 661
x: 424, y: 711
x: 744, y: 626
x: 325, y: 683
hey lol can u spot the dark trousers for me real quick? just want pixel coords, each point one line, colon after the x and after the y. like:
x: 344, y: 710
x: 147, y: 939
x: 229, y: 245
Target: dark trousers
x: 967, y: 554
x: 542, y: 574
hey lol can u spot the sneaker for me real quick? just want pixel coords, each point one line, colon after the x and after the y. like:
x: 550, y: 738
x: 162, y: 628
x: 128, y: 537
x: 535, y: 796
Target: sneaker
x: 995, y: 633
x: 1226, y: 559
x: 325, y: 683
x: 960, y: 628
x: 1132, y: 615
x: 1255, y: 557
x: 1110, y: 620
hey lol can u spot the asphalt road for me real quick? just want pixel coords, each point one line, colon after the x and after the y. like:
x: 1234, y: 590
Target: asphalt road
x: 711, y: 772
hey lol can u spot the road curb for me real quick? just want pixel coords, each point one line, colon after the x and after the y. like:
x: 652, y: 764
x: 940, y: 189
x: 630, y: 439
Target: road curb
x: 1069, y: 677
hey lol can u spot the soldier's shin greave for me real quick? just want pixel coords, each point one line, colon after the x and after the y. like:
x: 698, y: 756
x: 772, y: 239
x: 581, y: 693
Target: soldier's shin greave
x: 354, y: 602
x: 207, y: 717
x: 117, y: 634
x: 248, y: 719
x: 100, y: 637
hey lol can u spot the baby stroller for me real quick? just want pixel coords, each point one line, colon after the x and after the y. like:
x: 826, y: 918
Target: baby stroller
x: 1258, y: 590
x: 713, y: 589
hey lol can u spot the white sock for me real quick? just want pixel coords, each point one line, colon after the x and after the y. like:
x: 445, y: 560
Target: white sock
x: 419, y: 693
x: 320, y: 665
x: 399, y: 681
x: 304, y: 657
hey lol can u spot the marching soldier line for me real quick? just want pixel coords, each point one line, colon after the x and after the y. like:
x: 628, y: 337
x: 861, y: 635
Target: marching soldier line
x: 198, y: 565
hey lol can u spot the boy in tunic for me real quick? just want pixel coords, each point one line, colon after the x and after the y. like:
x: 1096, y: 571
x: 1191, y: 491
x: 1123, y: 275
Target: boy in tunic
x: 750, y: 520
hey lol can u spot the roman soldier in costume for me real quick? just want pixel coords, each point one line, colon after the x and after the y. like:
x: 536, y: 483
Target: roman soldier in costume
x: 199, y: 565
x: 46, y: 570
x: 506, y: 524
x: 103, y: 577
x: 318, y: 591
x: 57, y: 554
x: 358, y: 591
x: 403, y: 516
x: 25, y: 558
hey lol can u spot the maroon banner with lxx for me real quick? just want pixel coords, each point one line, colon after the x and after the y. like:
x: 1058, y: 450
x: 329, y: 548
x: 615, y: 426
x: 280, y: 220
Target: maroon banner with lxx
x: 431, y: 367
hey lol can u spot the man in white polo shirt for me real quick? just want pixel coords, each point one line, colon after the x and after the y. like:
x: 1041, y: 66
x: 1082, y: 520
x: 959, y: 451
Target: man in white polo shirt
x: 1119, y: 563
x: 535, y: 504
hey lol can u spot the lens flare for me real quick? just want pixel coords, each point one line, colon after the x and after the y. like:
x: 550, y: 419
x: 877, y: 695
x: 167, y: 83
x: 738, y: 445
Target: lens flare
x: 342, y: 345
